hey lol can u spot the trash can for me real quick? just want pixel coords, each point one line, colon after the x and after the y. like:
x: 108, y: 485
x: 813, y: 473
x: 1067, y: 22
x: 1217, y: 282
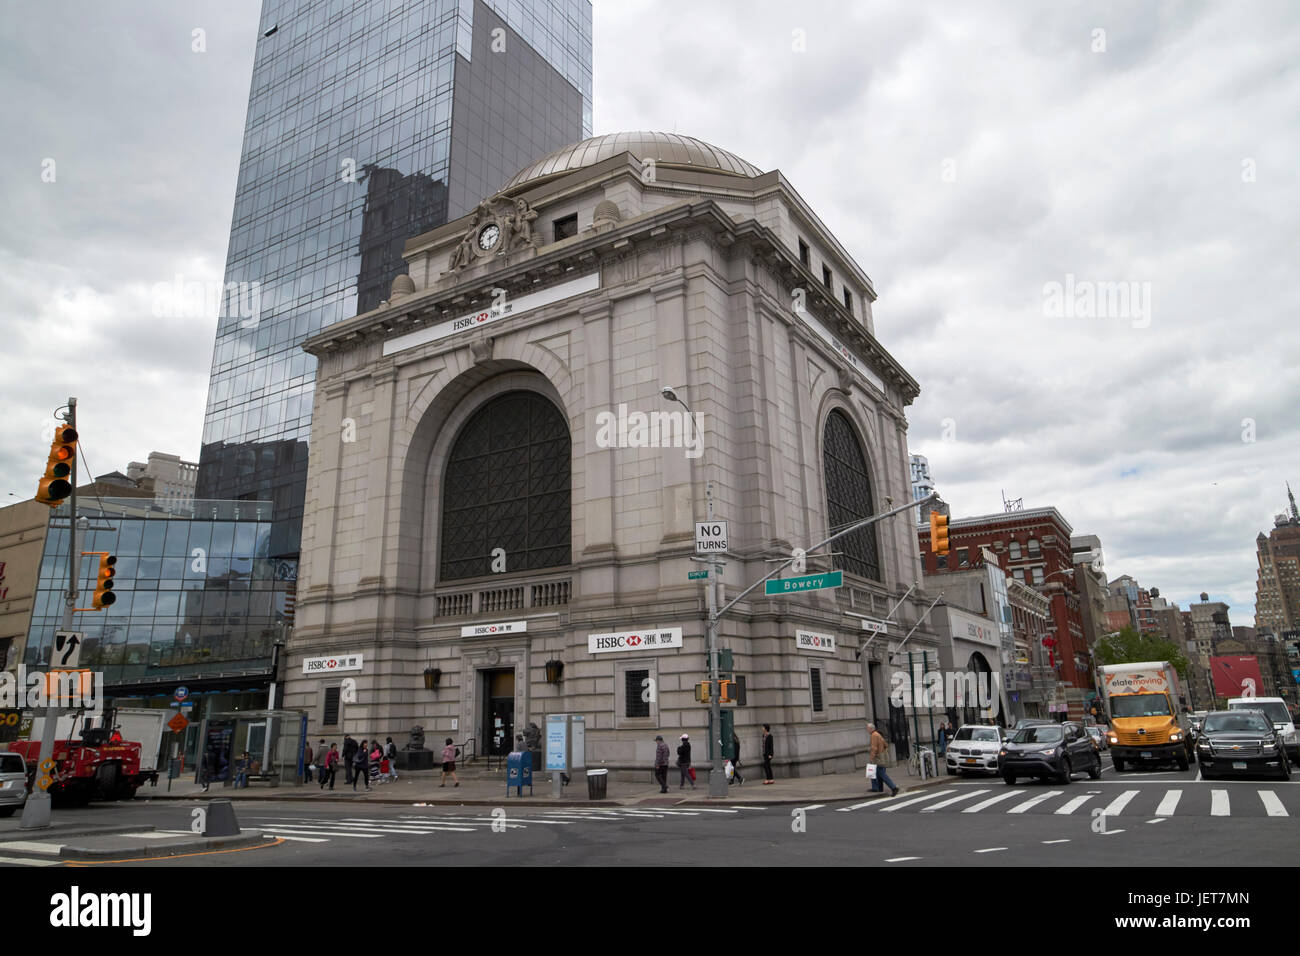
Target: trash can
x: 596, y: 784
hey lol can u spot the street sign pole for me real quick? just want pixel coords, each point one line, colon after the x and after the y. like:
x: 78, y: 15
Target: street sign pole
x: 717, y: 775
x: 36, y: 812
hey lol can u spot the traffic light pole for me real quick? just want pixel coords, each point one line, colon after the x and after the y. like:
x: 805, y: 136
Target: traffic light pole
x: 36, y: 812
x: 717, y: 776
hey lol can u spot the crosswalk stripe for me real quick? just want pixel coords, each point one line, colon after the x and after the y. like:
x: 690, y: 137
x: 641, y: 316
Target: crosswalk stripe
x: 990, y: 801
x: 813, y: 806
x: 31, y: 846
x: 1035, y: 801
x: 951, y: 800
x: 369, y: 828
x: 1219, y: 806
x: 1169, y: 804
x: 1272, y: 804
x: 902, y: 859
x: 856, y: 806
x: 24, y: 861
x: 1070, y: 806
x: 281, y: 831
x: 896, y: 805
x: 1116, y: 806
x: 414, y: 826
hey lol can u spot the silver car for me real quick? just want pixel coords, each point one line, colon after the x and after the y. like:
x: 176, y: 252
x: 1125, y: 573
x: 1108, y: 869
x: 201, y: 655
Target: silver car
x: 13, y: 783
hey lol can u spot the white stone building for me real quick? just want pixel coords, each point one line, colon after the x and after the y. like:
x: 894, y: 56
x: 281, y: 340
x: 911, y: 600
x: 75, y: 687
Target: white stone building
x: 486, y: 494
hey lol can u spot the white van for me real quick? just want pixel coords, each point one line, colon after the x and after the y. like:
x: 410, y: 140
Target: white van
x: 1279, y: 715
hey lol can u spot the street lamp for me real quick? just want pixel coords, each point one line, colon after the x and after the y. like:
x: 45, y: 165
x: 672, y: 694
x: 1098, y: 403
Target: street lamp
x: 717, y: 776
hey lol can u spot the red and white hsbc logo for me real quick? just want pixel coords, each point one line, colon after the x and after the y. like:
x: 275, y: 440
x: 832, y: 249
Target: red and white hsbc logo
x: 490, y: 630
x: 814, y: 641
x: 653, y: 639
x: 332, y: 665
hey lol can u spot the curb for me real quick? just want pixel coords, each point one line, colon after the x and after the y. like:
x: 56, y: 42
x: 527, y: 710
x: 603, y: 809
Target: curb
x: 154, y: 851
x: 58, y: 832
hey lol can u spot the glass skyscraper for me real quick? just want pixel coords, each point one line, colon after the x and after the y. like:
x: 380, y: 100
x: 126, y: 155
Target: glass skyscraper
x: 368, y: 123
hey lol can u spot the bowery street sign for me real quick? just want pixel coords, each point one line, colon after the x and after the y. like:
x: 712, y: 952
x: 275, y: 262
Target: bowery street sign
x: 696, y: 575
x: 807, y: 582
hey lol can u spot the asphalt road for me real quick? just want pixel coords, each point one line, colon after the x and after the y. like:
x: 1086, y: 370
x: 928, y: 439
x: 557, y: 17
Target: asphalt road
x: 1167, y: 818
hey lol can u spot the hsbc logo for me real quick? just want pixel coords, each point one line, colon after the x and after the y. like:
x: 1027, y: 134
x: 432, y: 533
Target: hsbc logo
x: 814, y: 641
x: 489, y: 630
x: 332, y: 665
x: 647, y: 640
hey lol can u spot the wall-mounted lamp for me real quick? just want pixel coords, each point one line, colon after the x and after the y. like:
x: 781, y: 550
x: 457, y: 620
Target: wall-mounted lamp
x: 432, y: 676
x: 554, y: 671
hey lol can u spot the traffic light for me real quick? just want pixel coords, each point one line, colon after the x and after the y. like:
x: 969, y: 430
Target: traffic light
x: 702, y: 691
x: 104, y: 595
x: 938, y: 533
x: 727, y: 691
x: 57, y: 483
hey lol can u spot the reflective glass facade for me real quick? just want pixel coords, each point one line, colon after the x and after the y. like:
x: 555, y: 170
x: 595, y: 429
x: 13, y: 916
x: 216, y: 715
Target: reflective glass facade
x: 196, y: 595
x: 368, y: 123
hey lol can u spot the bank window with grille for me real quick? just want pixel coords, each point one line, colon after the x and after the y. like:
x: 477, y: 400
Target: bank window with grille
x: 330, y: 717
x: 815, y: 682
x: 848, y: 496
x: 636, y: 700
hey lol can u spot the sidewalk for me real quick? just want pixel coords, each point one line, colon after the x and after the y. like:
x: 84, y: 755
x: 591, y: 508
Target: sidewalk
x: 478, y: 789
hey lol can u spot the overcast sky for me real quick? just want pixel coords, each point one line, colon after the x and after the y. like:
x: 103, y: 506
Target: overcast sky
x: 968, y: 155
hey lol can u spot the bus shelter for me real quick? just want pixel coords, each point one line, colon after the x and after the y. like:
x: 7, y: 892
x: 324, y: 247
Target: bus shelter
x: 275, y: 740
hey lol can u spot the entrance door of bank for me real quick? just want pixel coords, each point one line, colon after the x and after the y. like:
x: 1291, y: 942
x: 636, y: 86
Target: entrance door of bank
x: 498, y: 710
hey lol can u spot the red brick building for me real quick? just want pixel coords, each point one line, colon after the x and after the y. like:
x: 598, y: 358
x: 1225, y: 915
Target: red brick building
x: 1032, y: 546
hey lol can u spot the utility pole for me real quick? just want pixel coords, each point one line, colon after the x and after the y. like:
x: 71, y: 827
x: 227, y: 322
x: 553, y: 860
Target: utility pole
x: 36, y: 812
x: 717, y: 773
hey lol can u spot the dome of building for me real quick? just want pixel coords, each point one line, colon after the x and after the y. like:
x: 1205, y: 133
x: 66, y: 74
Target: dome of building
x: 666, y: 149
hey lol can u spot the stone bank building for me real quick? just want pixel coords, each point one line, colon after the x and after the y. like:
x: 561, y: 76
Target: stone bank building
x: 467, y: 536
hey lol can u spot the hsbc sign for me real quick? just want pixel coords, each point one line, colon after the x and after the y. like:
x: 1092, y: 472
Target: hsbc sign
x: 320, y: 666
x: 489, y: 630
x: 814, y: 641
x: 652, y: 640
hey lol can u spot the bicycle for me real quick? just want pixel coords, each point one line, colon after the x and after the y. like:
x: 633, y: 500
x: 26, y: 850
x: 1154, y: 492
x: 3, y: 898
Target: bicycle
x: 922, y: 763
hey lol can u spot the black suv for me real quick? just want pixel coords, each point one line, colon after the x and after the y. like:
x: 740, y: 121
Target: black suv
x: 1049, y: 750
x: 1240, y: 741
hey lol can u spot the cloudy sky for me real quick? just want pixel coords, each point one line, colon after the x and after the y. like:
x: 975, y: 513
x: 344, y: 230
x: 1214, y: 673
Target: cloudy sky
x: 976, y: 158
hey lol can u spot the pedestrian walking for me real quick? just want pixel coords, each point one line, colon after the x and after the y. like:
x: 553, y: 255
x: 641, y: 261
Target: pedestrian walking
x: 307, y: 756
x: 391, y: 754
x: 661, y: 763
x: 349, y: 753
x: 736, y: 778
x: 879, y: 751
x: 330, y: 767
x: 449, y: 763
x: 769, y: 751
x: 208, y: 769
x: 943, y: 738
x: 361, y: 767
x: 684, y: 762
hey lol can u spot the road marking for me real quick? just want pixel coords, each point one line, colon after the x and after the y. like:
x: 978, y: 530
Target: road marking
x: 992, y: 849
x: 434, y: 823
x: 895, y: 805
x: 1110, y: 832
x: 1116, y: 806
x: 737, y: 807
x: 951, y: 800
x: 1169, y: 804
x: 1272, y: 804
x: 301, y: 839
x: 342, y: 827
x: 1049, y: 842
x: 295, y: 831
x: 22, y: 861
x: 1074, y: 804
x: 1219, y: 803
x: 856, y: 806
x: 990, y: 801
x: 902, y: 859
x: 1158, y: 820
x: 1022, y: 807
x: 816, y: 806
x: 32, y: 847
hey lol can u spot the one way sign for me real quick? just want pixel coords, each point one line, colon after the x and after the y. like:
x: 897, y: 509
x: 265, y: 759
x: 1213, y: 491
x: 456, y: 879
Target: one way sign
x: 67, y: 648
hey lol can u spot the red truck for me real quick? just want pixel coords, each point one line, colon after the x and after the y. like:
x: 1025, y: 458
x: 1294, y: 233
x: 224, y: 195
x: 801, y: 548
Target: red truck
x: 92, y: 768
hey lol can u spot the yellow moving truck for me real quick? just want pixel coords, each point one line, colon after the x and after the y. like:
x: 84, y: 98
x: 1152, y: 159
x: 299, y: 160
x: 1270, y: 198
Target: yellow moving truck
x: 1145, y: 723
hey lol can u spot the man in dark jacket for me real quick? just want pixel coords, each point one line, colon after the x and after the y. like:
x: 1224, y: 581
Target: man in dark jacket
x: 735, y: 761
x: 661, y: 763
x: 361, y: 767
x: 768, y: 753
x: 349, y: 751
x: 684, y: 762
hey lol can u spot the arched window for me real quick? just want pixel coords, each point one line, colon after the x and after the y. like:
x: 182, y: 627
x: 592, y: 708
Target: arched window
x: 507, y: 485
x: 848, y: 497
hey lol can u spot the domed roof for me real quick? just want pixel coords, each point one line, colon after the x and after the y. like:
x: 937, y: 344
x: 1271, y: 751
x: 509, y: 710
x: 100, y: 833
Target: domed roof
x: 666, y: 149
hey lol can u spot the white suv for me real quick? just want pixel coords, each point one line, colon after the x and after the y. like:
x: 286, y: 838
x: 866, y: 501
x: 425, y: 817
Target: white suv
x: 13, y: 783
x: 974, y: 747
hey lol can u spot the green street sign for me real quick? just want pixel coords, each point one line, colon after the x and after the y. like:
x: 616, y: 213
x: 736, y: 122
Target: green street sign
x: 808, y: 582
x: 696, y: 575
